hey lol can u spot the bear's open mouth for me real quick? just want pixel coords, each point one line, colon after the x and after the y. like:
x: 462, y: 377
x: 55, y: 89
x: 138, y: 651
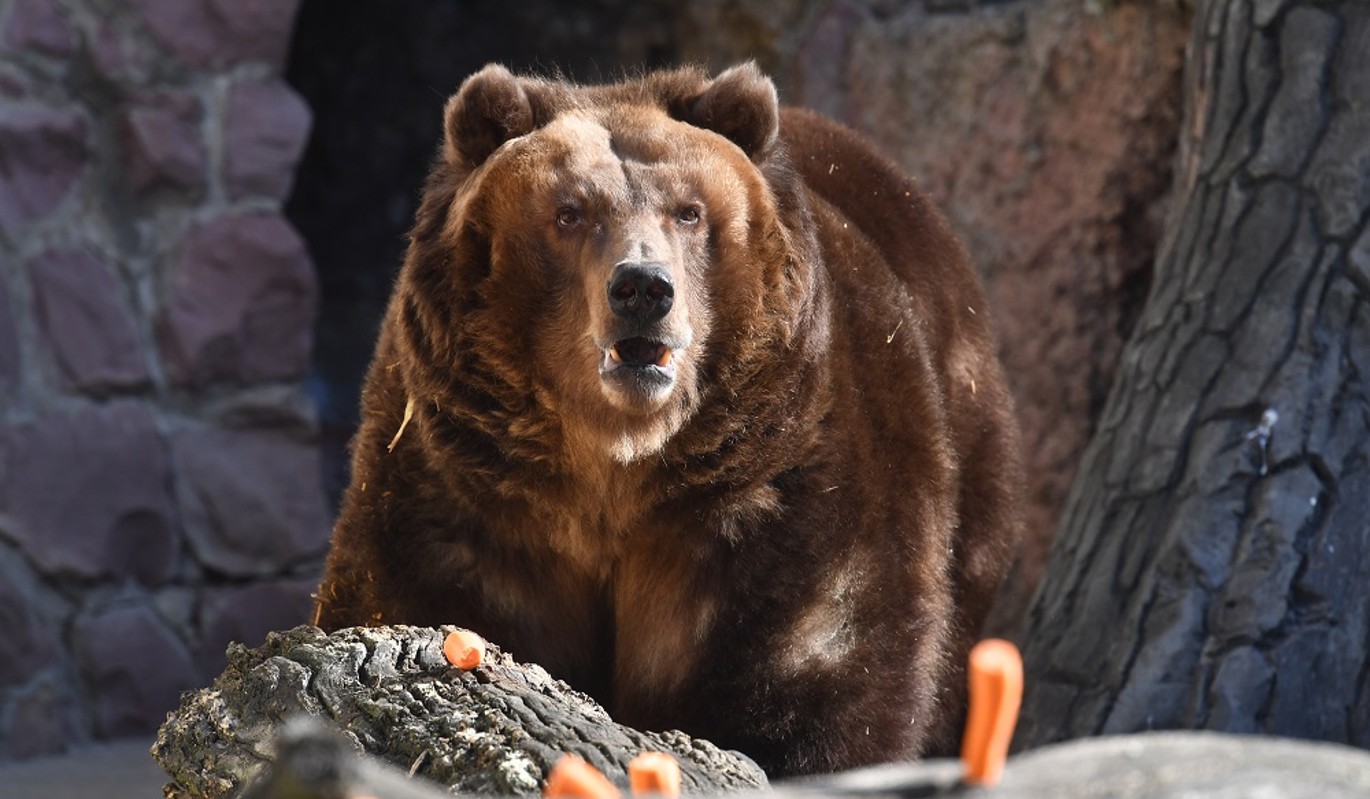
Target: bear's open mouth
x: 645, y: 364
x: 640, y: 352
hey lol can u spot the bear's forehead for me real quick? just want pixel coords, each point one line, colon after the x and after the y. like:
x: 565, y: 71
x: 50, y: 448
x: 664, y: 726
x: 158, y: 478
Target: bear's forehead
x: 624, y: 156
x: 616, y: 139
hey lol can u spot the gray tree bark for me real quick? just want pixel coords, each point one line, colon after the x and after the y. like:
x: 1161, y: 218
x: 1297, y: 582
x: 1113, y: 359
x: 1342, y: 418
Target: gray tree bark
x: 1213, y: 566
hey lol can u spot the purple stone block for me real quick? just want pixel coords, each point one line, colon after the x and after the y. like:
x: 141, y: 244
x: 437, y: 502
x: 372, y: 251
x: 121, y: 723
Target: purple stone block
x: 42, y: 154
x: 243, y: 298
x: 268, y: 125
x: 83, y: 318
x: 252, y: 500
x: 86, y: 493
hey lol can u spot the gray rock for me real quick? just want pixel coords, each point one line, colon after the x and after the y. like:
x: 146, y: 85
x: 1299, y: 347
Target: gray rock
x: 312, y: 759
x: 348, y: 677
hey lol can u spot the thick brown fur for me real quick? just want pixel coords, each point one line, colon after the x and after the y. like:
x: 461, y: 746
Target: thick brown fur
x: 790, y: 548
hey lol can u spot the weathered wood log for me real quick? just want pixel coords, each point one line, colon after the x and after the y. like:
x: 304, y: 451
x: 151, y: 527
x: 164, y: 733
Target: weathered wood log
x: 315, y: 761
x: 495, y: 730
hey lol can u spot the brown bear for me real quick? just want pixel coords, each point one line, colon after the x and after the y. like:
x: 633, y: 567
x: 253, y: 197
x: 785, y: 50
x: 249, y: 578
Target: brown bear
x: 693, y: 401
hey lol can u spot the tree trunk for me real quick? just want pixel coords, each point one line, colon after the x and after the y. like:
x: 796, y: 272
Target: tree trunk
x: 1213, y: 566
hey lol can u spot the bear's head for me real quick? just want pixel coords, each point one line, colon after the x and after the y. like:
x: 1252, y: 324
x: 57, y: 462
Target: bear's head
x: 604, y: 255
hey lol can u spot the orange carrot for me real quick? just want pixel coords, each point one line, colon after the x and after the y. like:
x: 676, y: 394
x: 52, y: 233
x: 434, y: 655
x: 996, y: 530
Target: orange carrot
x: 654, y: 772
x: 573, y: 778
x: 996, y: 693
x: 464, y: 649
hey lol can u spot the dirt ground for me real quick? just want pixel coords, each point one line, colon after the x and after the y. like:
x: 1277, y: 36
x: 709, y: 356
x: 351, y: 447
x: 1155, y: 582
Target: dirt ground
x: 121, y: 769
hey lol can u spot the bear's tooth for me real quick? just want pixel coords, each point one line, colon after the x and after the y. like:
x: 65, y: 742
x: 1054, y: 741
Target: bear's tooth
x: 614, y: 356
x: 665, y: 359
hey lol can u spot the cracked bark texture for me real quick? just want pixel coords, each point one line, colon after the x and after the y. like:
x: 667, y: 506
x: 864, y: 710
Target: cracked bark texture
x: 495, y: 730
x: 1211, y: 570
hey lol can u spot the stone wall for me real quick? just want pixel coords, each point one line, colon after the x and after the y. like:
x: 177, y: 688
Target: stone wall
x: 159, y: 475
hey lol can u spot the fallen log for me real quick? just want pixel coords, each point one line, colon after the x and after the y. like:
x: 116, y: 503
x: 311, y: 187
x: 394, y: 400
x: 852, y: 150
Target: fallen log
x: 495, y: 730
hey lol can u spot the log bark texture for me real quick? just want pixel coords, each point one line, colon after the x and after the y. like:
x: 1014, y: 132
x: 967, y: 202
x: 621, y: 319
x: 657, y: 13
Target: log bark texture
x: 495, y: 730
x: 1212, y: 567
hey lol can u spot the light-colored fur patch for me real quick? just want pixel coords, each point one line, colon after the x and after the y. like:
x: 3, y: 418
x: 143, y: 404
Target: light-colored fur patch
x: 658, y: 642
x: 662, y: 618
x: 825, y: 633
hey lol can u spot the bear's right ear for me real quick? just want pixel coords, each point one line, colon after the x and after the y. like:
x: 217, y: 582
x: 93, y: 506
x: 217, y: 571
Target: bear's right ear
x: 741, y: 105
x: 490, y: 108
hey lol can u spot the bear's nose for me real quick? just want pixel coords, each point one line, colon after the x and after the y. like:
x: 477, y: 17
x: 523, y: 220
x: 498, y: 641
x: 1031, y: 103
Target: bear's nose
x: 641, y: 292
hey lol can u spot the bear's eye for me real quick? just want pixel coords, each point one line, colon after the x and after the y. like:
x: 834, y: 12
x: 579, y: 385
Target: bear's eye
x: 688, y: 215
x: 568, y: 218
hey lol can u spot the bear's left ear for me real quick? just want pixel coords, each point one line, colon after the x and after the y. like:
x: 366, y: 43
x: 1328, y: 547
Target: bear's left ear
x: 490, y: 108
x: 741, y: 105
